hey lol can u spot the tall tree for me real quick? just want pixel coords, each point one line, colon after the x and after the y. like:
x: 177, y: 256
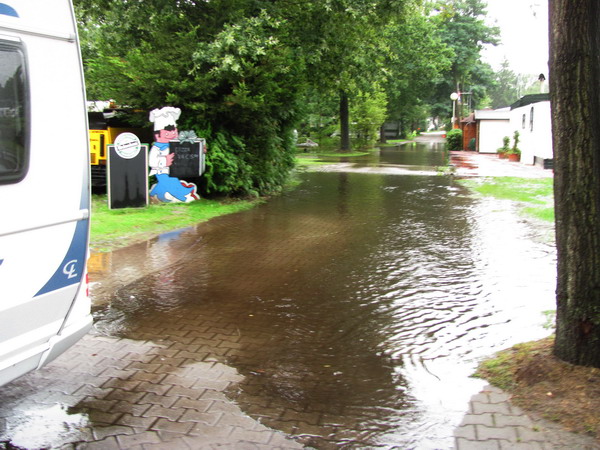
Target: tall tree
x: 574, y: 81
x: 462, y: 27
x: 417, y: 59
x: 505, y: 90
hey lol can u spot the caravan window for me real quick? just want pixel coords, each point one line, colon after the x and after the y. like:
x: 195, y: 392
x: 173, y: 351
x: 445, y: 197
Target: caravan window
x: 14, y: 152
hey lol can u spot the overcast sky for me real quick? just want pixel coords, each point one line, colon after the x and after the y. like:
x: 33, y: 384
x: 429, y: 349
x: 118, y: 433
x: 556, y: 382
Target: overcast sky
x: 524, y: 28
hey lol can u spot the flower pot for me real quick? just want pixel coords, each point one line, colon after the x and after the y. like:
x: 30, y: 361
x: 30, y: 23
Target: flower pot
x: 502, y: 155
x: 514, y: 157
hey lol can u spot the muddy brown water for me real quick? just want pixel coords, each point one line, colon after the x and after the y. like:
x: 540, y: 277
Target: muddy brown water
x: 361, y: 302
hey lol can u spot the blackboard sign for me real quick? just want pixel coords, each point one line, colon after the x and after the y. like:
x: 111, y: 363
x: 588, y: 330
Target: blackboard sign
x: 127, y: 173
x: 189, y: 160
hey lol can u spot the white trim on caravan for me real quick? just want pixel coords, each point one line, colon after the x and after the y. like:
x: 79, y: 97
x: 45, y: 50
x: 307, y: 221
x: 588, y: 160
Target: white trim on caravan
x: 44, y: 185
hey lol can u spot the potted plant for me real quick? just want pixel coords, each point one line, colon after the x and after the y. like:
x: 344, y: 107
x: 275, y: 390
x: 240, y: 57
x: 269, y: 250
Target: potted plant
x: 502, y: 151
x: 514, y: 154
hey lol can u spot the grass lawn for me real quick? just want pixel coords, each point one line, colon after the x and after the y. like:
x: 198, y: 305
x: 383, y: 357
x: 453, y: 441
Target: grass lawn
x: 535, y: 194
x: 315, y: 158
x: 116, y: 228
x: 309, y: 160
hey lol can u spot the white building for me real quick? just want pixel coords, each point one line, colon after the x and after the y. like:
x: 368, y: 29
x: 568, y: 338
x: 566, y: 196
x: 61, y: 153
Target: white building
x: 492, y: 126
x: 530, y: 116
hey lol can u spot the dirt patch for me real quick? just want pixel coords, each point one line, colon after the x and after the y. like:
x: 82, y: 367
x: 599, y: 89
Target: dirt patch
x: 547, y: 387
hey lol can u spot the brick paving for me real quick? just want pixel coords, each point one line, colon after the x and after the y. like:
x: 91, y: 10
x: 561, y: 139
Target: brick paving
x: 145, y: 395
x: 170, y: 392
x: 492, y: 422
x: 125, y: 394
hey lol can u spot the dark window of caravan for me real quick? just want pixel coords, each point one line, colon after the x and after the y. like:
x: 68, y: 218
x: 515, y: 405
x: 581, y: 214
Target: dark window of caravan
x: 14, y: 151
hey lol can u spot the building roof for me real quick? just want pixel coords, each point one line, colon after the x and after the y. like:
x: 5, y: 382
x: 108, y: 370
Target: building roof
x: 529, y: 99
x: 469, y: 119
x: 492, y: 114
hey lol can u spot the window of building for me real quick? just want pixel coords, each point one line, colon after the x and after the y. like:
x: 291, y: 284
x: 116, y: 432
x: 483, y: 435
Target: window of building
x: 523, y: 121
x: 14, y: 113
x: 531, y: 119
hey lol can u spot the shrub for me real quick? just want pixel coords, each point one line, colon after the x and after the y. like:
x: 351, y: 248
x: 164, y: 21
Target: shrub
x: 454, y: 139
x: 505, y: 147
x: 515, y: 149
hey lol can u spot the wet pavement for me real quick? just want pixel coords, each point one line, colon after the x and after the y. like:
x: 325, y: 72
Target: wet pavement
x: 470, y: 164
x: 348, y: 313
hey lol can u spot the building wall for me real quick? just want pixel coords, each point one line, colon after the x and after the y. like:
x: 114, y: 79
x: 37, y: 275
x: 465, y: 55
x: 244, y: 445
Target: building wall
x: 533, y: 123
x: 469, y: 132
x: 491, y: 133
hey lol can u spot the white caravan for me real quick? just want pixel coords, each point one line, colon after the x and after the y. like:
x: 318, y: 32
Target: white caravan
x: 44, y: 185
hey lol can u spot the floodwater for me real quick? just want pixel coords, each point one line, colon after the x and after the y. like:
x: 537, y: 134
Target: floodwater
x: 363, y: 298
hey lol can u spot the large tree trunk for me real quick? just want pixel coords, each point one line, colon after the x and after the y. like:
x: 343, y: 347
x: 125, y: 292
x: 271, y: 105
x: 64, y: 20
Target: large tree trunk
x: 575, y: 98
x: 345, y: 121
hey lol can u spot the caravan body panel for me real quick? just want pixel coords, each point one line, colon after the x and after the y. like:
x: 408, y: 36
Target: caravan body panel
x: 45, y: 202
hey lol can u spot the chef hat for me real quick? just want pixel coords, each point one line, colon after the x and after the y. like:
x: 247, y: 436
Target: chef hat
x: 163, y: 117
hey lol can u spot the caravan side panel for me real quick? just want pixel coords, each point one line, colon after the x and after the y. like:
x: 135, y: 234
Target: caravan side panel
x: 44, y: 186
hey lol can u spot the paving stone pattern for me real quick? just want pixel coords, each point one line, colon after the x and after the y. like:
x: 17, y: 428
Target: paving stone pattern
x: 133, y: 395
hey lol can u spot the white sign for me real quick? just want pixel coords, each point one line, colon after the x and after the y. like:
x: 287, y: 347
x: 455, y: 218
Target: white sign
x: 127, y: 145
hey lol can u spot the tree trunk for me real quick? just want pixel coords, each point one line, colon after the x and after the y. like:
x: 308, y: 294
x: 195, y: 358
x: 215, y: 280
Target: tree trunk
x: 382, y: 137
x: 574, y: 81
x: 345, y: 121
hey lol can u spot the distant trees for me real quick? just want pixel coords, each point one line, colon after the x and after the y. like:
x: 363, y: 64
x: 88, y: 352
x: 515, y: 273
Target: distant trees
x: 574, y: 81
x: 505, y: 90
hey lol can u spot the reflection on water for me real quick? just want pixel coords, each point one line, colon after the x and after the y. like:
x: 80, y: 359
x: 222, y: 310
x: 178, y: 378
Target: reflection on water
x: 39, y: 425
x: 358, y: 304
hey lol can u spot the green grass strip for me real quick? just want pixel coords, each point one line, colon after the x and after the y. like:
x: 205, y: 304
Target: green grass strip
x: 535, y: 194
x: 117, y: 228
x: 311, y: 160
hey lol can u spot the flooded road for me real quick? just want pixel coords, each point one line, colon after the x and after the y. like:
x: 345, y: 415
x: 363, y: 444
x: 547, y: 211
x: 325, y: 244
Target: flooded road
x: 355, y: 307
x: 349, y: 312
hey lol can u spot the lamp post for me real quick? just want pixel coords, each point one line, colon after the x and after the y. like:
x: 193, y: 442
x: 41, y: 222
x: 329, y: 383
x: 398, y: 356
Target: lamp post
x: 454, y: 97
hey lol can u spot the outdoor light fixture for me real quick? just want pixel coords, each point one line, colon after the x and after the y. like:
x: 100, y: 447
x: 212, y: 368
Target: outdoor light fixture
x: 454, y: 97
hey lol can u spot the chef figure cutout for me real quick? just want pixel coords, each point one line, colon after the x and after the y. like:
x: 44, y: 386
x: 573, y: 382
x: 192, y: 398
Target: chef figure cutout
x: 167, y: 189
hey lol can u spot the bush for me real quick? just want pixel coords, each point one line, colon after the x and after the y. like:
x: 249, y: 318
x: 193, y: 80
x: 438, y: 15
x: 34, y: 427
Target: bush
x: 505, y: 148
x: 454, y: 139
x: 472, y: 144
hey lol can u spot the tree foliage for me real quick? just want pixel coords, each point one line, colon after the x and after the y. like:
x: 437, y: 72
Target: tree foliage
x: 368, y: 113
x: 418, y: 58
x: 226, y: 64
x: 247, y: 72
